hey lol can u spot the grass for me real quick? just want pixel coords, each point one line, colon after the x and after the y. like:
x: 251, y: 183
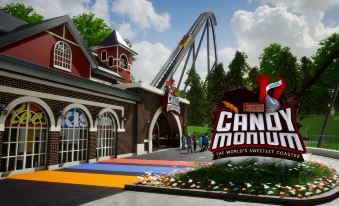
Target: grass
x: 312, y: 125
x: 250, y: 177
x: 200, y: 130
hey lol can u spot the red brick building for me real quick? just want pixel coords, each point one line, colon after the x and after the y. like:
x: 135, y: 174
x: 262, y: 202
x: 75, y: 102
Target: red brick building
x: 63, y: 103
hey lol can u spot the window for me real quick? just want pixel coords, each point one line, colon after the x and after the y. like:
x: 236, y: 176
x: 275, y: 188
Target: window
x: 74, y: 136
x: 25, y: 138
x: 106, y: 138
x: 123, y: 61
x: 62, y: 56
x: 110, y: 61
x: 104, y: 55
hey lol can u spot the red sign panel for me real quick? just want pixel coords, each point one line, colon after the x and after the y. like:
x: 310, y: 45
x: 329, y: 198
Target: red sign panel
x: 170, y: 101
x: 271, y: 134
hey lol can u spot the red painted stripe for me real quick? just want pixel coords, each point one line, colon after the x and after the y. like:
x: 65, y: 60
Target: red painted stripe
x: 155, y: 162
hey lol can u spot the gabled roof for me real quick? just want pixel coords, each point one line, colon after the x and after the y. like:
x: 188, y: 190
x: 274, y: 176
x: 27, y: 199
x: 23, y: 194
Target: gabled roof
x: 29, y: 30
x: 114, y: 39
x: 9, y: 23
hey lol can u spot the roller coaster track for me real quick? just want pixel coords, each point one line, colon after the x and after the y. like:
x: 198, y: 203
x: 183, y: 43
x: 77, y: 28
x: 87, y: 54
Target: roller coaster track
x: 186, y: 47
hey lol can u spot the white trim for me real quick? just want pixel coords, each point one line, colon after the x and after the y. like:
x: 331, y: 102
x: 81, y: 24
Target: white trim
x: 112, y: 61
x: 20, y: 100
x: 123, y: 54
x: 63, y: 31
x: 101, y: 55
x: 100, y: 81
x: 105, y: 158
x: 119, y: 122
x: 68, y: 164
x: 140, y: 149
x: 84, y: 109
x: 54, y: 34
x: 23, y: 171
x: 109, y: 71
x: 53, y: 167
x: 92, y: 160
x: 146, y: 140
x: 125, y: 155
x: 12, y: 90
x: 151, y: 126
x: 66, y: 50
x: 121, y: 130
x: 8, y: 74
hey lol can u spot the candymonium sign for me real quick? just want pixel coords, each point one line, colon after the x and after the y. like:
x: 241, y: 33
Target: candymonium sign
x: 271, y: 133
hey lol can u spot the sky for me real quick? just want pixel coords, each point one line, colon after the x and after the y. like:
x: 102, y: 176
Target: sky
x: 155, y: 27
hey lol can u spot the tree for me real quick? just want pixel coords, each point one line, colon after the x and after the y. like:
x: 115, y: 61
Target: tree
x: 237, y: 69
x: 308, y: 103
x: 196, y: 96
x: 277, y: 61
x: 250, y: 80
x: 216, y: 82
x: 22, y: 12
x: 92, y: 29
x: 323, y: 89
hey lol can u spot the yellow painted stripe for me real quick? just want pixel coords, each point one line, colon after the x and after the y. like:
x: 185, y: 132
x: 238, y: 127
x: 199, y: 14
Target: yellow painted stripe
x: 78, y: 178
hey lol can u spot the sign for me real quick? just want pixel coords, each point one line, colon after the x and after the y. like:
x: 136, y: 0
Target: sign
x: 263, y: 126
x: 170, y: 101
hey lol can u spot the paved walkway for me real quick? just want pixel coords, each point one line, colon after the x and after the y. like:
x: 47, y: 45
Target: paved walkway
x: 102, y: 183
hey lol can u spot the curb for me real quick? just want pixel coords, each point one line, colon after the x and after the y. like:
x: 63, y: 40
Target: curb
x: 323, y: 152
x: 324, y: 198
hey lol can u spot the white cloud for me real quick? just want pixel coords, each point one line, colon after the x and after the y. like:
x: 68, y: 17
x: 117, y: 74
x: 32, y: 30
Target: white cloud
x: 101, y: 10
x: 256, y: 30
x: 126, y: 30
x: 50, y: 9
x: 225, y: 56
x: 149, y: 60
x: 142, y: 14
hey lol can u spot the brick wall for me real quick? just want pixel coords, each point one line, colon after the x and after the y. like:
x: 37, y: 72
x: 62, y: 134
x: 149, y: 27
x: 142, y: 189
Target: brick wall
x: 1, y: 139
x: 92, y: 144
x: 53, y: 148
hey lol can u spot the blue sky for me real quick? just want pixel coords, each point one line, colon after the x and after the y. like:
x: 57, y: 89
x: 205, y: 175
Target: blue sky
x: 156, y: 26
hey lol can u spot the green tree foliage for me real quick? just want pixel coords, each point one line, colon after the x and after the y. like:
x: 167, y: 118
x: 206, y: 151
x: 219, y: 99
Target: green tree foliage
x: 308, y: 103
x: 92, y: 29
x: 277, y: 61
x: 216, y: 82
x: 22, y: 12
x: 197, y: 97
x: 250, y: 80
x: 237, y: 69
x: 322, y: 91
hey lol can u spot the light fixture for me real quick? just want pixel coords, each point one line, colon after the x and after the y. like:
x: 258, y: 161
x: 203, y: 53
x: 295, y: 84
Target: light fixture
x: 3, y: 109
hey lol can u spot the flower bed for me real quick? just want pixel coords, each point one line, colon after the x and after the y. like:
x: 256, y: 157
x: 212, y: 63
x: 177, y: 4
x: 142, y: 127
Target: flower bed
x: 250, y: 177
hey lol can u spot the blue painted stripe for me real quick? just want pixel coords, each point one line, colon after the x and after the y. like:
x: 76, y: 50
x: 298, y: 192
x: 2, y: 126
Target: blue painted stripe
x: 126, y: 168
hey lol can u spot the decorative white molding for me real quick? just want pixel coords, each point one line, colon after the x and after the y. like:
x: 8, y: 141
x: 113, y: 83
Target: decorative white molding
x: 140, y: 149
x: 84, y: 109
x: 125, y: 155
x: 117, y: 120
x: 53, y: 167
x: 92, y: 160
x: 21, y: 100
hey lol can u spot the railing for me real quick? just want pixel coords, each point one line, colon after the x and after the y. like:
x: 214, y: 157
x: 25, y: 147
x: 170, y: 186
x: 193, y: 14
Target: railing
x: 328, y: 141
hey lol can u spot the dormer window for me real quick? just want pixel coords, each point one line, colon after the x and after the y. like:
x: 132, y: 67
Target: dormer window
x: 110, y: 61
x: 104, y: 55
x: 62, y: 56
x: 123, y: 61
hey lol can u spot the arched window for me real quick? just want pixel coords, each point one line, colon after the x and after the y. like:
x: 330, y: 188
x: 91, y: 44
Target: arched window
x: 25, y: 138
x: 62, y: 56
x: 110, y: 61
x: 104, y: 55
x: 123, y: 61
x: 74, y: 136
x: 106, y: 138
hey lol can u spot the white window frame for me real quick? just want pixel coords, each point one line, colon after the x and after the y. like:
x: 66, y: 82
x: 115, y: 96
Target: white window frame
x: 106, y: 55
x: 74, y: 139
x: 127, y: 62
x: 61, y: 53
x: 112, y: 61
x: 106, y: 136
x: 24, y: 142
